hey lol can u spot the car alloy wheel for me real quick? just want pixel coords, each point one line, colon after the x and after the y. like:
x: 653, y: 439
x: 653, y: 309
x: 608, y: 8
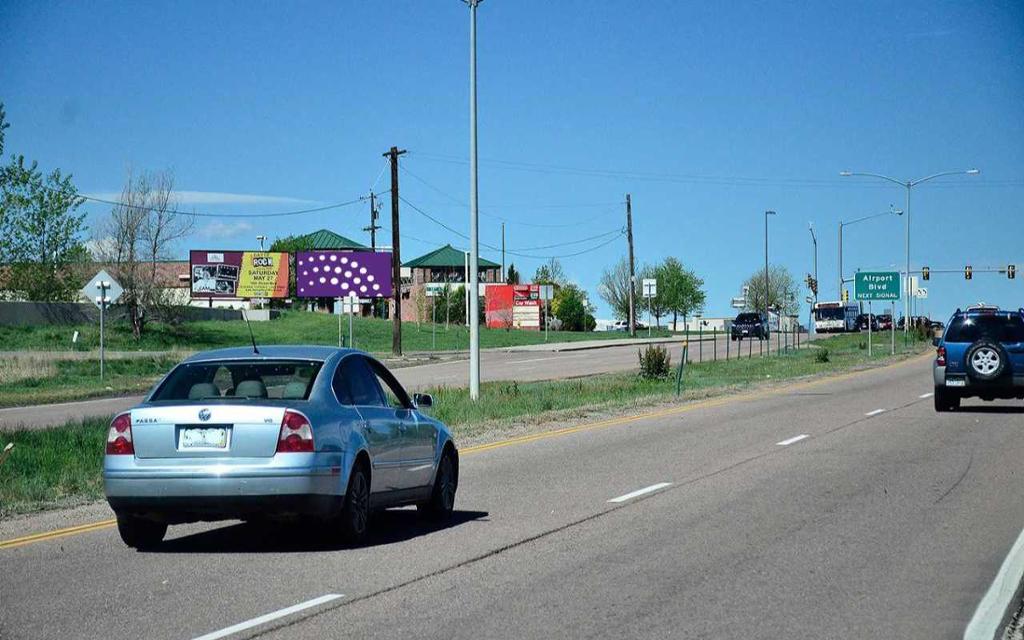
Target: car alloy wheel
x: 356, y: 513
x: 985, y: 361
x: 446, y: 484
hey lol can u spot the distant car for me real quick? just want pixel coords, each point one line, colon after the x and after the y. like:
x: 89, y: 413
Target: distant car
x: 980, y: 354
x: 863, y: 320
x: 623, y: 325
x: 290, y: 431
x: 884, y: 322
x: 750, y: 325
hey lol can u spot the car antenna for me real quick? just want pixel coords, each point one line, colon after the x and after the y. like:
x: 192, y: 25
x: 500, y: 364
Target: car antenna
x: 245, y: 317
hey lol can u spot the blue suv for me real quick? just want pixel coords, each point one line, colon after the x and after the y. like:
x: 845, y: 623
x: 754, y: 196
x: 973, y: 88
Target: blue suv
x: 980, y: 354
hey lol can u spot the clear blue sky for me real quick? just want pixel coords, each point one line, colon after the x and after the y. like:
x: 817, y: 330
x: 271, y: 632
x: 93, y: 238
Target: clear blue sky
x: 741, y: 106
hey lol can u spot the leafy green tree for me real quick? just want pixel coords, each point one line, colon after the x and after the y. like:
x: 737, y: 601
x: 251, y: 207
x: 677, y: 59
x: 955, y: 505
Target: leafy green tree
x: 782, y: 290
x: 571, y: 307
x: 613, y: 287
x: 513, y: 275
x: 40, y: 229
x: 682, y: 288
x: 550, y: 273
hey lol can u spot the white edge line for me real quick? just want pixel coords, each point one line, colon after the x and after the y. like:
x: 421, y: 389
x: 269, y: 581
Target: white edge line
x: 926, y: 395
x: 640, y: 492
x: 280, y: 613
x: 790, y: 441
x: 993, y: 605
x: 875, y: 412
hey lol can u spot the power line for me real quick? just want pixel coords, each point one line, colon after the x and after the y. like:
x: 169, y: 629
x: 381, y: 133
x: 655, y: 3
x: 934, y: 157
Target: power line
x: 616, y: 232
x: 507, y: 220
x: 197, y: 214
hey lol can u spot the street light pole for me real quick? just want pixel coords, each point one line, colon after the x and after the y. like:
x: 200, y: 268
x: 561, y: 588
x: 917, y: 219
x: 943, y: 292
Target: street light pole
x: 814, y: 239
x: 908, y: 185
x: 890, y: 212
x: 474, y: 276
x: 766, y: 292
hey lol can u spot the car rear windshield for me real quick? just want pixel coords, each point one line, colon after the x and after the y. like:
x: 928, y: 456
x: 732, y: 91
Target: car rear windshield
x: 748, y: 317
x: 1001, y: 328
x: 239, y: 379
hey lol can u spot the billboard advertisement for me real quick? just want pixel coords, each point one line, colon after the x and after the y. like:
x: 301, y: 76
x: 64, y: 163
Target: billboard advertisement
x: 238, y: 274
x: 338, y: 274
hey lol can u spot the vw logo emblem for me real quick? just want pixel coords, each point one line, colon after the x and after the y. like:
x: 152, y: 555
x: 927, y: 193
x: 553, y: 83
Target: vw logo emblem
x: 204, y: 414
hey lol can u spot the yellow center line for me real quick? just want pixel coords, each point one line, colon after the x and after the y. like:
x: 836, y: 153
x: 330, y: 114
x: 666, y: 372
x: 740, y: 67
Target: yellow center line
x: 590, y: 426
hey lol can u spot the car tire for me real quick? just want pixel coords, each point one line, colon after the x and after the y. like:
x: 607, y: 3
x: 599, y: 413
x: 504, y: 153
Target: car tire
x: 446, y: 483
x: 985, y: 360
x: 354, y: 518
x: 946, y: 400
x: 139, y: 533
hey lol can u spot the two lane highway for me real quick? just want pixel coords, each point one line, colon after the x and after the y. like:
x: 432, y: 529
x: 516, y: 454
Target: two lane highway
x: 782, y: 513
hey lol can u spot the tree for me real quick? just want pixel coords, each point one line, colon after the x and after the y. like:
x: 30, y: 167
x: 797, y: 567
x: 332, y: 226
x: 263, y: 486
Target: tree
x: 40, y: 229
x: 513, y: 275
x: 683, y: 290
x: 614, y: 288
x: 573, y: 310
x: 550, y: 273
x: 143, y: 229
x: 782, y: 290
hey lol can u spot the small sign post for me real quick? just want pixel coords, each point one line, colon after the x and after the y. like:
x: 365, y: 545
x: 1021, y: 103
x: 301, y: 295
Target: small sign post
x: 547, y: 292
x: 109, y: 292
x: 650, y: 291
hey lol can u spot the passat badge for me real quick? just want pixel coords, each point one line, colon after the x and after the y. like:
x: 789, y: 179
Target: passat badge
x: 204, y: 414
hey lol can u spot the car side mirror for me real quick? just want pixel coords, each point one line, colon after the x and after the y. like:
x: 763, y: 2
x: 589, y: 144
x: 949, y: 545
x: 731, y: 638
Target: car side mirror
x: 935, y: 341
x: 423, y: 400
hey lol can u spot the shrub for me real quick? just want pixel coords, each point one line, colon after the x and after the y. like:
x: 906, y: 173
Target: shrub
x: 821, y: 355
x: 655, y: 363
x: 862, y: 345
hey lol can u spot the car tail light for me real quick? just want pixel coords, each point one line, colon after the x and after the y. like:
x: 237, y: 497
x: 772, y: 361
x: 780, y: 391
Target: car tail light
x: 296, y: 433
x: 940, y: 356
x: 119, y: 437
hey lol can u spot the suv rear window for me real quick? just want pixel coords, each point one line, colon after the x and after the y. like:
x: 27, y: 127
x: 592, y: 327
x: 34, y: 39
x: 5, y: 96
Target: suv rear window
x: 239, y: 379
x: 1001, y: 328
x: 748, y: 317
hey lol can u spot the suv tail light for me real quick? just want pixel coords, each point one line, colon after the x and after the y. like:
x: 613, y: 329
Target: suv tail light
x: 940, y: 356
x: 296, y: 433
x: 119, y: 436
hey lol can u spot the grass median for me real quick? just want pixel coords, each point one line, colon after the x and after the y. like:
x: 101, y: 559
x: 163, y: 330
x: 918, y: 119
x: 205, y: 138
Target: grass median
x: 61, y: 466
x: 292, y: 327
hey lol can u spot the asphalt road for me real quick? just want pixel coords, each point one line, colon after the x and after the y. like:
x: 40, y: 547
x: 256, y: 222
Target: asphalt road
x: 495, y: 365
x: 887, y: 521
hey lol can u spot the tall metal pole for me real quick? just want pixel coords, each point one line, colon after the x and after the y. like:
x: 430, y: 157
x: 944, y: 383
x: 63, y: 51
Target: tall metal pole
x: 766, y: 287
x: 504, y: 274
x: 840, y: 260
x: 632, y: 274
x: 906, y: 312
x: 474, y: 300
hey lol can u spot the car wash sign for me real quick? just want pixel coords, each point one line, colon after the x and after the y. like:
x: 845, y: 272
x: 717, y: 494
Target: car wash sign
x: 877, y: 285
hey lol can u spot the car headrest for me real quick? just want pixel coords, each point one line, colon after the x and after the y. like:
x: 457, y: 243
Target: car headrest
x: 251, y: 389
x: 203, y: 390
x: 294, y: 391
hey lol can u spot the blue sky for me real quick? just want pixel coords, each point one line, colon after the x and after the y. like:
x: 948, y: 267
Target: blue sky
x: 707, y: 113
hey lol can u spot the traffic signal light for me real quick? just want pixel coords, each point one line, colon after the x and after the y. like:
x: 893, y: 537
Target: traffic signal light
x: 968, y: 272
x: 1011, y: 271
x: 926, y: 273
x: 846, y: 295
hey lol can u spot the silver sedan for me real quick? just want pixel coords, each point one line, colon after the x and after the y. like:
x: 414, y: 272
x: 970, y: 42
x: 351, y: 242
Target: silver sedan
x: 282, y: 432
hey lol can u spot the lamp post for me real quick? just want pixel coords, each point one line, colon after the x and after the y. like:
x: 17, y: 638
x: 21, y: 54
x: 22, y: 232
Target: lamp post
x: 261, y: 239
x: 766, y: 288
x: 814, y: 239
x: 890, y: 212
x: 908, y: 185
x: 474, y: 276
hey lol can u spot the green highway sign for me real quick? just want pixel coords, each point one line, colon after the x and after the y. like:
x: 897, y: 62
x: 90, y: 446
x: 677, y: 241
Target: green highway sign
x: 877, y: 285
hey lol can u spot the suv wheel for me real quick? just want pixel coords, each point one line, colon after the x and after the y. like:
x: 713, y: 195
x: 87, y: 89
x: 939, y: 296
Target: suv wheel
x: 946, y: 400
x: 985, y: 360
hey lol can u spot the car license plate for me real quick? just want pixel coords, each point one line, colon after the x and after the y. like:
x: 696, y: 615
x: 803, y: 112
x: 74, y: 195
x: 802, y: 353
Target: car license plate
x: 204, y: 438
x: 956, y: 382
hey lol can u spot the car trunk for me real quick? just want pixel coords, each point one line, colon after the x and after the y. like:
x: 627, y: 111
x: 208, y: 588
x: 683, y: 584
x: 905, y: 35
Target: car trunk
x: 214, y: 430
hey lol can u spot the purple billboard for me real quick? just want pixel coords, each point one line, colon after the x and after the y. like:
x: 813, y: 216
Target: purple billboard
x: 338, y: 274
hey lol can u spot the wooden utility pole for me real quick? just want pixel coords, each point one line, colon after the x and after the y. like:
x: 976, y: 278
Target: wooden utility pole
x: 632, y: 268
x: 396, y: 256
x: 374, y: 215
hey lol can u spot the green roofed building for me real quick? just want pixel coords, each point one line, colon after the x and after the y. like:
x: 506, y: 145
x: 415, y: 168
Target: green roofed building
x: 322, y: 239
x: 435, y: 270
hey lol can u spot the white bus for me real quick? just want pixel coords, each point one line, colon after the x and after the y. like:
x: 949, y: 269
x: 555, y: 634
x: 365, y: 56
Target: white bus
x: 836, y: 317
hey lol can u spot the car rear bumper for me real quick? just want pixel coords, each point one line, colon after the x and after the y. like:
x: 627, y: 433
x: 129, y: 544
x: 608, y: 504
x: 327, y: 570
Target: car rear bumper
x: 964, y: 385
x: 183, y: 494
